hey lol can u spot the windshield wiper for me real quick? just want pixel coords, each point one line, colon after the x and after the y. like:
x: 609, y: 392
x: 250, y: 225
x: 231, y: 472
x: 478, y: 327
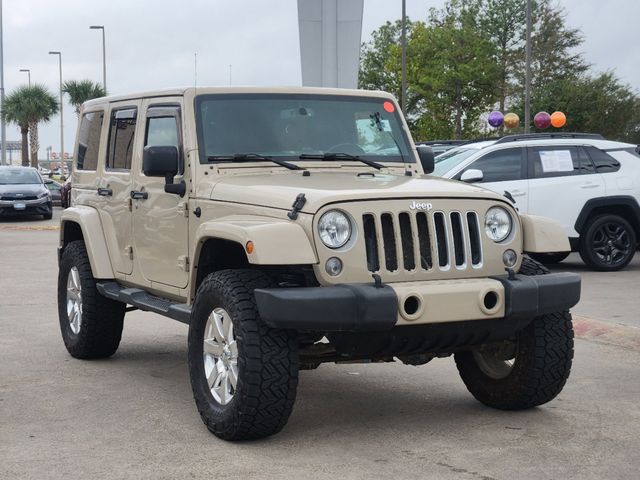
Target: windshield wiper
x: 249, y: 157
x: 340, y: 156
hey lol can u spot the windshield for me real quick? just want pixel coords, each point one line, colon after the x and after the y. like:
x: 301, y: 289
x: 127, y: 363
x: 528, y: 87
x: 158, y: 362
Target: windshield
x: 287, y: 126
x: 450, y: 159
x: 19, y: 176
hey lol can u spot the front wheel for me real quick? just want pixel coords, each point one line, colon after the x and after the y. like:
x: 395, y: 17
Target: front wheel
x: 525, y: 372
x: 244, y: 374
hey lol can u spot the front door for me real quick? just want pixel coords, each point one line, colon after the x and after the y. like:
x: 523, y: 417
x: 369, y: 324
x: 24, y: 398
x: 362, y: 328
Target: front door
x: 160, y: 219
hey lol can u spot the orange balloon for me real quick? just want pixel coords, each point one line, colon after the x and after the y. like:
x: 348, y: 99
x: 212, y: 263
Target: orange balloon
x: 558, y: 119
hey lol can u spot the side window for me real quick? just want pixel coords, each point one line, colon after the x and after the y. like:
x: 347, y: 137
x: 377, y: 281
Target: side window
x: 499, y: 166
x: 89, y: 140
x: 604, y: 162
x: 558, y: 161
x: 121, y: 132
x: 163, y: 129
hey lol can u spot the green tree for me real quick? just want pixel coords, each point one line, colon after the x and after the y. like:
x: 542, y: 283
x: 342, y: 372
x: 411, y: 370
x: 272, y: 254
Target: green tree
x: 80, y: 91
x: 27, y: 106
x: 593, y: 104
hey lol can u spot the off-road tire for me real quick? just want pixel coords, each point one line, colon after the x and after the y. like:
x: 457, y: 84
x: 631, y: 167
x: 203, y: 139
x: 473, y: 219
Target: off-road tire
x: 588, y: 237
x: 542, y: 363
x: 267, y: 360
x: 102, y: 318
x: 549, y: 258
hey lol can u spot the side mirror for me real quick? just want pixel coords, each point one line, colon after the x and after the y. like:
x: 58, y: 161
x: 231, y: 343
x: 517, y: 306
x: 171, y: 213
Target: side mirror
x: 472, y: 175
x: 163, y: 161
x: 160, y: 161
x: 426, y: 156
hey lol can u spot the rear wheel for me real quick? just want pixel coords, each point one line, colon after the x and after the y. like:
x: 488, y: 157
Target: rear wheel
x: 608, y: 243
x: 528, y: 370
x: 91, y: 325
x: 244, y: 374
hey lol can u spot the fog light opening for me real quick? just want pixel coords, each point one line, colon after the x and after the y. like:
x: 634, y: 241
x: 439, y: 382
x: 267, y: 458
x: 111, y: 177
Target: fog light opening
x: 411, y: 305
x: 509, y: 258
x: 490, y: 300
x: 333, y: 266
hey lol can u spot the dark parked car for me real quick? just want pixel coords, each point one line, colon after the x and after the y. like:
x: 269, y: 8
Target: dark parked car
x: 23, y: 192
x: 55, y: 189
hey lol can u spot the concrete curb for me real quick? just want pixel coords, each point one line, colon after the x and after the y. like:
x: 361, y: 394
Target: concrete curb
x: 29, y: 227
x: 607, y: 333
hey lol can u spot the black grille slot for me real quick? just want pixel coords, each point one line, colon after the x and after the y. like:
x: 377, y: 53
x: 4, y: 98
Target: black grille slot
x: 14, y: 197
x: 371, y: 243
x: 474, y: 238
x: 389, y: 239
x: 458, y: 238
x: 424, y: 244
x: 441, y: 239
x: 406, y: 237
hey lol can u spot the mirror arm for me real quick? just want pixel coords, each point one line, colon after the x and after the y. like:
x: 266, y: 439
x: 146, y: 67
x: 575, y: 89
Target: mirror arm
x: 176, y: 188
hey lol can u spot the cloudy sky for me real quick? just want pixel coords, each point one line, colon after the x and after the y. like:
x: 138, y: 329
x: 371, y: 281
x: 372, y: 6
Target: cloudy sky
x: 151, y: 43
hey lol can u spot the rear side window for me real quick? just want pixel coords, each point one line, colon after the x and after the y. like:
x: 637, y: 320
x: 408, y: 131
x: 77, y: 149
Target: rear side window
x: 499, y: 166
x: 121, y: 132
x: 89, y: 140
x: 558, y: 161
x: 603, y: 162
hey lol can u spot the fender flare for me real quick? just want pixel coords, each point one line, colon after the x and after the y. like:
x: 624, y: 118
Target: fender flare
x: 613, y: 201
x: 276, y: 241
x: 88, y: 219
x: 543, y: 235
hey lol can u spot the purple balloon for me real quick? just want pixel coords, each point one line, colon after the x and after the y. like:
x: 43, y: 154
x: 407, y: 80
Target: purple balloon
x: 495, y: 119
x: 542, y: 120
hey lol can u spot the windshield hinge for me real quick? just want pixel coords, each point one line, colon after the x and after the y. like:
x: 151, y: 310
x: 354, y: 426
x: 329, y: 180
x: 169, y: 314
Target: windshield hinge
x: 298, y: 203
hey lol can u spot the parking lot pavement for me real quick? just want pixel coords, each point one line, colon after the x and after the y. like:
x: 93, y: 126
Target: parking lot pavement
x: 133, y: 416
x: 610, y: 296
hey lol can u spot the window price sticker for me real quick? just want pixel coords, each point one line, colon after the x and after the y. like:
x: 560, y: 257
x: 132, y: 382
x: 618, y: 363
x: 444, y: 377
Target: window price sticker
x: 556, y: 161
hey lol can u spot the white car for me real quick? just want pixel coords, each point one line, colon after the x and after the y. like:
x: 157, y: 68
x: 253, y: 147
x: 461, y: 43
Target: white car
x: 588, y: 184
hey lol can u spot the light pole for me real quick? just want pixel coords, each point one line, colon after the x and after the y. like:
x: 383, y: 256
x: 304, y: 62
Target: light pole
x: 59, y: 54
x: 403, y: 87
x: 28, y: 73
x: 527, y: 77
x: 104, y: 56
x: 3, y: 128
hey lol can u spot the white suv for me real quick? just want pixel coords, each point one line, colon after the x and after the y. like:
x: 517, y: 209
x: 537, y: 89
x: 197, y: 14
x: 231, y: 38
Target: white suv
x: 588, y: 184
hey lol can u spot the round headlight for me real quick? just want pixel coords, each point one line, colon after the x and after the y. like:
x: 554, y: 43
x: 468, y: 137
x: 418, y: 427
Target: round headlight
x: 334, y: 228
x: 497, y: 224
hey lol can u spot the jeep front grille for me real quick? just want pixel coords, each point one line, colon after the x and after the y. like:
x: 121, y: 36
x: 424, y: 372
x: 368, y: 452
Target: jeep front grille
x: 420, y: 240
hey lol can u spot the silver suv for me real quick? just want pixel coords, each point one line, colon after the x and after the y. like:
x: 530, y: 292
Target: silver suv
x: 293, y: 227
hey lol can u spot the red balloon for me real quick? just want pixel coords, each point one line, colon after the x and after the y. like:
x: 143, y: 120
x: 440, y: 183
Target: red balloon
x: 542, y: 120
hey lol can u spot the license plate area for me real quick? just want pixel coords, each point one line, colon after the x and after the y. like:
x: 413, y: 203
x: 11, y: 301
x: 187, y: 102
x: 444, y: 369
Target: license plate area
x: 19, y: 206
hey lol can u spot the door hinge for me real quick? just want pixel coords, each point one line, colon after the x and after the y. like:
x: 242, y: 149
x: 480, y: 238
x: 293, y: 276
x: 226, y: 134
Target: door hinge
x: 184, y: 208
x: 183, y: 262
x: 128, y: 250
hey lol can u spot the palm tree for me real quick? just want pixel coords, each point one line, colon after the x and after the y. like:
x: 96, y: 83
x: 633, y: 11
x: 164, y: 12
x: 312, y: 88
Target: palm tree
x: 80, y: 91
x: 27, y: 106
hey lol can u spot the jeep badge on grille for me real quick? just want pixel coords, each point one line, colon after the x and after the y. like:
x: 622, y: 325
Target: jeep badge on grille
x: 420, y: 206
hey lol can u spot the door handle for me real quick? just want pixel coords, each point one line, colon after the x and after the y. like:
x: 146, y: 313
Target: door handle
x: 589, y: 185
x: 139, y: 195
x: 105, y: 192
x: 517, y: 193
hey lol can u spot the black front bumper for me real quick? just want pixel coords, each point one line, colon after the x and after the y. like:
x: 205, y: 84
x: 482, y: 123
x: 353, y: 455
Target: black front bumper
x: 367, y: 308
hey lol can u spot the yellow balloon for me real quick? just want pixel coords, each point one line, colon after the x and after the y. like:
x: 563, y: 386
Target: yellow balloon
x: 511, y: 120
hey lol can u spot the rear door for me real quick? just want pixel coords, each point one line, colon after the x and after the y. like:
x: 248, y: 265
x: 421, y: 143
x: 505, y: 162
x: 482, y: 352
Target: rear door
x: 114, y: 186
x: 562, y: 179
x: 503, y: 170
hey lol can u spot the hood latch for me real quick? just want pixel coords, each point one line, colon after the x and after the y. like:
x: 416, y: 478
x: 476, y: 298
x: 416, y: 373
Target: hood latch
x: 297, y: 206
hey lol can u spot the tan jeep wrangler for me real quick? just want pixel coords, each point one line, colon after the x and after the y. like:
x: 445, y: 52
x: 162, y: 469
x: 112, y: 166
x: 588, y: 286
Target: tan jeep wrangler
x: 291, y: 227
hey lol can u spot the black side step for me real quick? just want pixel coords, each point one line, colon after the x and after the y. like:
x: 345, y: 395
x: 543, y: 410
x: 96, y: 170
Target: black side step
x: 145, y: 301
